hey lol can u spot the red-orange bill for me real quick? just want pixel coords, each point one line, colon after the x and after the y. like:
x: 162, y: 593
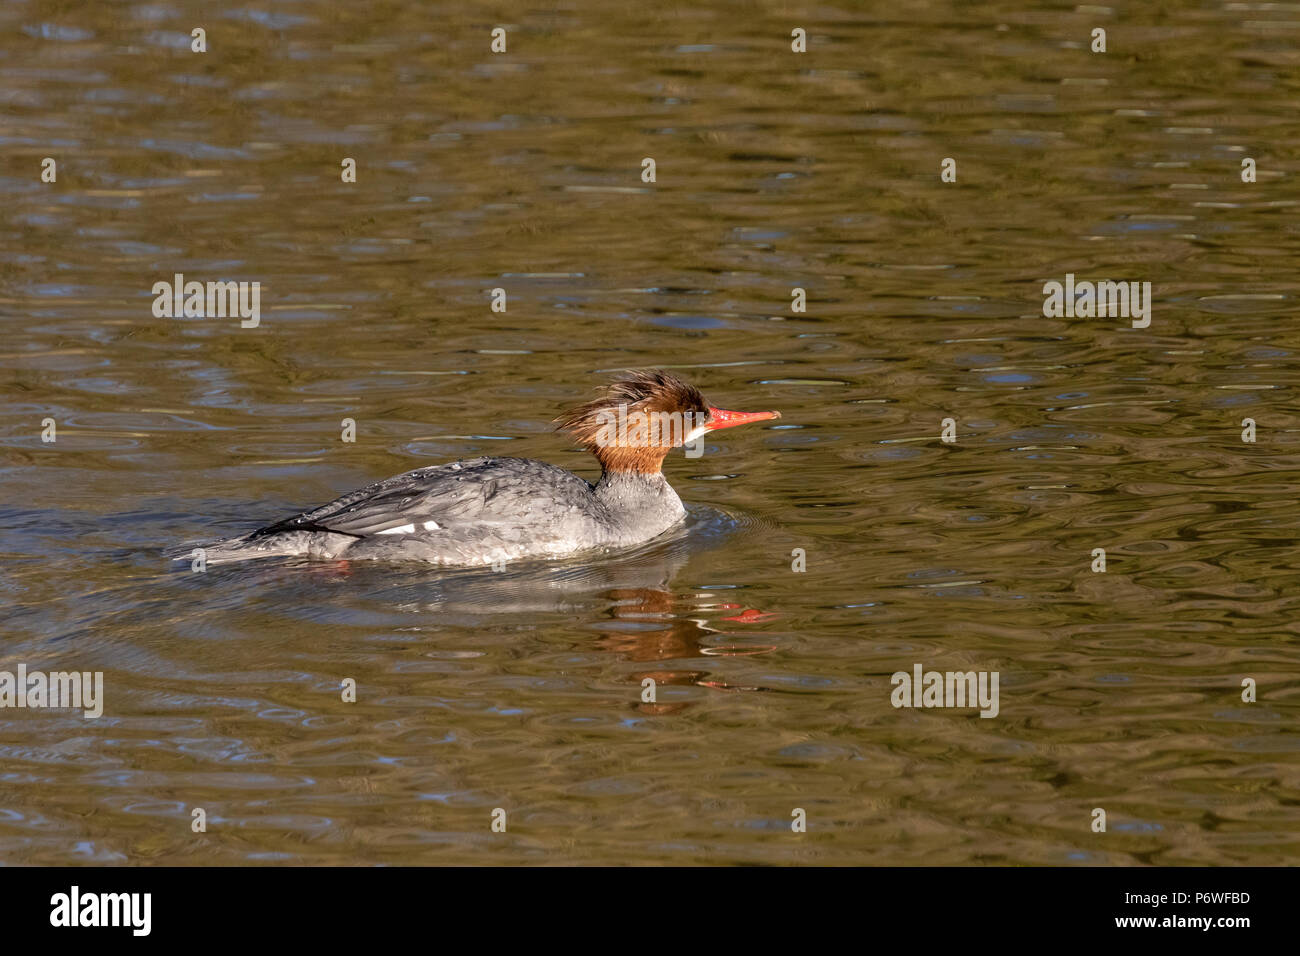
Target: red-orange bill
x: 721, y: 418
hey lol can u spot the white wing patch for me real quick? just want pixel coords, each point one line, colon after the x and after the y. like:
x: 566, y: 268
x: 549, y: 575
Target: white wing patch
x: 409, y: 528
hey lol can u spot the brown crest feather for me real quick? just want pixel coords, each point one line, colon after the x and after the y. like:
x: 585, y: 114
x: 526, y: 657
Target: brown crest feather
x: 642, y: 390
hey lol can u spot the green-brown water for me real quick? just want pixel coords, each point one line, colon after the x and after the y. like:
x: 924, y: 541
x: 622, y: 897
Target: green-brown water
x: 775, y: 170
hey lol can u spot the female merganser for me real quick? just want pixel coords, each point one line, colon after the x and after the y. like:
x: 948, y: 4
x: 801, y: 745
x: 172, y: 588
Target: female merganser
x: 490, y: 510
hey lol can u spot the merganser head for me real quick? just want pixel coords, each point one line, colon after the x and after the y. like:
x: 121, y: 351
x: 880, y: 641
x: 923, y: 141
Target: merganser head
x: 638, y: 419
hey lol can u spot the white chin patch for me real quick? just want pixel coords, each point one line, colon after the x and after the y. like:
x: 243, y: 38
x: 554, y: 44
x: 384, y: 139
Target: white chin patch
x: 695, y: 433
x: 403, y: 529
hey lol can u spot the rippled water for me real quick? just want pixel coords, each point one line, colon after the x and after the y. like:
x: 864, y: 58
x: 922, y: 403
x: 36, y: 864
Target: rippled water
x: 774, y: 170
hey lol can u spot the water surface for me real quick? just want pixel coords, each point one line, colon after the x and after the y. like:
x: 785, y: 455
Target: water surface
x: 774, y: 170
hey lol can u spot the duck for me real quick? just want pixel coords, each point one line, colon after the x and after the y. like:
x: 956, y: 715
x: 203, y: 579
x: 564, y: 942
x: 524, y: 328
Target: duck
x: 496, y: 510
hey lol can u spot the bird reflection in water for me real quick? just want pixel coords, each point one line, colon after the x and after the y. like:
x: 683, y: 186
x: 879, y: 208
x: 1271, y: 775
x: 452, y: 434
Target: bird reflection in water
x: 648, y: 622
x: 675, y: 637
